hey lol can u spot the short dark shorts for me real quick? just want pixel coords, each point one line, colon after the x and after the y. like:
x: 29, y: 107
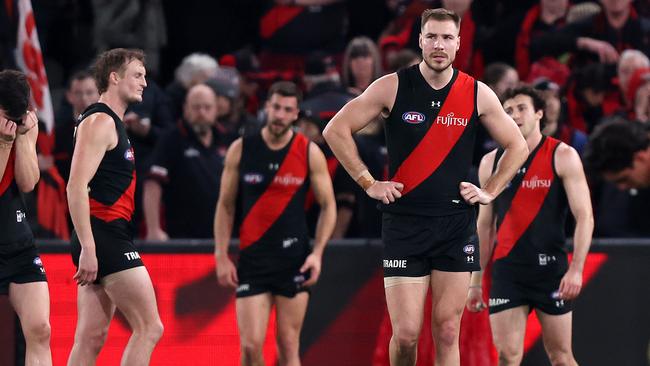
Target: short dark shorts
x: 113, y: 246
x: 416, y: 245
x: 287, y: 282
x: 515, y: 285
x: 21, y: 266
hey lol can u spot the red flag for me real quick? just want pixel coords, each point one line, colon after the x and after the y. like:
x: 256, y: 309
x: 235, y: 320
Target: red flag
x: 30, y: 61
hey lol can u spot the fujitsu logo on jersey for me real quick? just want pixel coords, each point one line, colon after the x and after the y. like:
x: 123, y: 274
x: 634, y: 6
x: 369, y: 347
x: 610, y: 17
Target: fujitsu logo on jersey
x: 288, y: 180
x: 450, y: 120
x: 535, y: 182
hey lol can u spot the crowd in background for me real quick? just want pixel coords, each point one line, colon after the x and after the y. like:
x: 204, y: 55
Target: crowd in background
x: 589, y: 59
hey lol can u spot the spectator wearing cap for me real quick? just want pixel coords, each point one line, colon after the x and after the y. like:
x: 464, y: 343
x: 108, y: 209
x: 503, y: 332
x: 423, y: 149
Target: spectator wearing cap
x: 361, y: 65
x: 195, y: 68
x: 185, y: 171
x: 232, y: 120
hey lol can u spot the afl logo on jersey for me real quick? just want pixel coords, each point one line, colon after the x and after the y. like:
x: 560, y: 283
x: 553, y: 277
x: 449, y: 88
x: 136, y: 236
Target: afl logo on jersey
x: 413, y: 118
x: 468, y: 249
x: 253, y: 178
x: 128, y: 154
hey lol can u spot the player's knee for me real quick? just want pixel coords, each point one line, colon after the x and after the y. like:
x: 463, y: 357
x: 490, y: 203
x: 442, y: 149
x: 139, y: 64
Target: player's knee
x: 38, y: 332
x: 251, y: 349
x: 153, y: 331
x: 93, y: 339
x: 406, y: 337
x: 446, y: 333
x: 288, y: 343
x: 509, y: 354
x: 562, y: 357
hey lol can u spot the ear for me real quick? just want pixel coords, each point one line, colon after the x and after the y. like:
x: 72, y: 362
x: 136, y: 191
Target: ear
x: 457, y: 43
x: 113, y: 77
x: 420, y: 40
x: 539, y: 114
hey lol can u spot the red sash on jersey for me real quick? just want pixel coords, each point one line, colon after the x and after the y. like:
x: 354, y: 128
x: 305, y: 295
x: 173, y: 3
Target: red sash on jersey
x: 434, y: 147
x: 121, y: 209
x: 527, y: 202
x: 8, y: 175
x: 276, y: 198
x: 278, y: 17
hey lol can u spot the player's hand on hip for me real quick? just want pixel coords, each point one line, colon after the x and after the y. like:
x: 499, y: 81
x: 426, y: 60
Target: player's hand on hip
x: 570, y: 285
x: 87, y: 271
x: 386, y: 192
x: 475, y: 301
x: 226, y: 272
x: 312, y: 264
x: 473, y: 194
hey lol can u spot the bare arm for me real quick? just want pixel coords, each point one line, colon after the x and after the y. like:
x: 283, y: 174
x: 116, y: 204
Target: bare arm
x: 321, y: 183
x: 569, y: 169
x: 486, y: 229
x: 506, y: 133
x: 94, y: 136
x: 357, y: 114
x: 151, y: 195
x: 225, y: 215
x: 27, y: 172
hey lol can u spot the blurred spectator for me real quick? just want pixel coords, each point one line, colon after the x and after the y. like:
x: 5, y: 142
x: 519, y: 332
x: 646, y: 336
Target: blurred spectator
x: 628, y: 64
x: 555, y: 118
x: 145, y: 123
x: 131, y: 24
x: 361, y: 65
x: 500, y: 77
x: 640, y: 89
x: 590, y: 96
x: 601, y: 37
x: 186, y: 170
x: 403, y: 58
x: 195, y: 68
x: 544, y: 17
x: 291, y: 29
x: 248, y: 66
x: 81, y: 93
x: 619, y: 152
x: 325, y: 97
x: 232, y: 120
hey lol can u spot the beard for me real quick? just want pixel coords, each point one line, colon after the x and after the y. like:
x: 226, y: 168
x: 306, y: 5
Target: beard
x: 438, y: 67
x: 200, y: 129
x: 278, y: 131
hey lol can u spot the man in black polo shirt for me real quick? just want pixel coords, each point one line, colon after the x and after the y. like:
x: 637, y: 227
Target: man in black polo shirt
x: 186, y: 167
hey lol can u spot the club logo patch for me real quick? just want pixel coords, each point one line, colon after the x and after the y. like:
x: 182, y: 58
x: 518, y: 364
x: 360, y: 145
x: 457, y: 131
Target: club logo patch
x: 128, y: 154
x: 253, y: 178
x: 468, y: 249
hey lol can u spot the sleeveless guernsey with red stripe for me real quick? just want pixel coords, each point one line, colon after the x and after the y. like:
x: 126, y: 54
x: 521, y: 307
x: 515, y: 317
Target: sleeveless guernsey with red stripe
x: 15, y: 232
x: 112, y: 189
x: 273, y: 186
x: 430, y: 139
x: 532, y: 210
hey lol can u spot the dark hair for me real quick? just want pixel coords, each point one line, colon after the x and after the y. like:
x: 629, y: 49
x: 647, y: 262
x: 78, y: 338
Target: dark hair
x: 285, y: 89
x: 114, y: 60
x: 14, y: 94
x: 539, y: 104
x: 440, y: 15
x: 78, y: 76
x: 612, y: 145
x: 495, y: 72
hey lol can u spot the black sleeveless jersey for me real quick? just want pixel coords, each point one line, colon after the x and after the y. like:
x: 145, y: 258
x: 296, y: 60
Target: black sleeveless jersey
x: 273, y: 185
x: 531, y: 212
x: 14, y: 232
x: 112, y: 188
x: 430, y: 139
